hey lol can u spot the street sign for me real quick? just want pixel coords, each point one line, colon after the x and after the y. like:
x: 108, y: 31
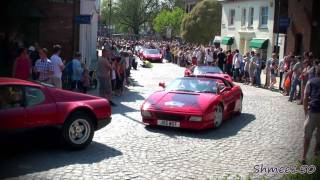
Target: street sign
x: 83, y: 19
x: 284, y: 22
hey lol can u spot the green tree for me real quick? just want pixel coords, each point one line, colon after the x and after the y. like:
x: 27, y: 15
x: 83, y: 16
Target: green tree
x: 133, y: 14
x: 168, y: 19
x: 202, y: 23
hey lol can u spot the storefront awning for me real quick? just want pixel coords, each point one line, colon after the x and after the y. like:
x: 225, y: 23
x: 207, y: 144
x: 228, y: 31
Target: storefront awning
x: 227, y: 40
x: 259, y: 43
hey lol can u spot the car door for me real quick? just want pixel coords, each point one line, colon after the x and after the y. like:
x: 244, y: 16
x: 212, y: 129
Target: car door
x: 40, y: 108
x: 228, y: 98
x: 12, y: 110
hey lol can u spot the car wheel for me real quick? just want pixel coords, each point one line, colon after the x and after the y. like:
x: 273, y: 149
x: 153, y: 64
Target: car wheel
x: 78, y: 131
x: 240, y: 108
x: 218, y: 117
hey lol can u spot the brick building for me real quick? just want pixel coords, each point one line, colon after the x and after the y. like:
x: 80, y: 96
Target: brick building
x: 303, y: 33
x: 47, y: 22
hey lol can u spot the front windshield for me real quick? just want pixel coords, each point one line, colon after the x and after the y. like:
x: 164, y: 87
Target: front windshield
x: 152, y: 51
x: 193, y: 85
x: 207, y: 70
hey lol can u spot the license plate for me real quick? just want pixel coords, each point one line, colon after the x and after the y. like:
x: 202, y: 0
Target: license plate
x: 168, y: 123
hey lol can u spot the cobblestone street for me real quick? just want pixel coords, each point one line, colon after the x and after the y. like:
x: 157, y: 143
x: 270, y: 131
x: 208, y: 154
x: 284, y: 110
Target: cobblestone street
x: 268, y: 132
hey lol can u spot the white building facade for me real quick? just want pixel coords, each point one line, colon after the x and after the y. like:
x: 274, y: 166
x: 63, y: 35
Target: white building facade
x: 249, y: 25
x: 88, y: 32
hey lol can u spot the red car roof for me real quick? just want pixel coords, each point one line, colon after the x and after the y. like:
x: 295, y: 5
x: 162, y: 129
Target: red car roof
x: 14, y: 81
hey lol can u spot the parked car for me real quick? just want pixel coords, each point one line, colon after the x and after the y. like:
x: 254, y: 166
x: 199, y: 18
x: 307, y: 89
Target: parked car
x: 200, y: 70
x: 194, y: 102
x: 28, y: 105
x: 152, y: 55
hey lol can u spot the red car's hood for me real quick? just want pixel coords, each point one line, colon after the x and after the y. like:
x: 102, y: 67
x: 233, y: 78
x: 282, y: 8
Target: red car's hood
x: 181, y: 101
x: 67, y: 96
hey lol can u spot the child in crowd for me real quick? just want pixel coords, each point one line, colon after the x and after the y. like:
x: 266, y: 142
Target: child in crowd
x: 85, y: 79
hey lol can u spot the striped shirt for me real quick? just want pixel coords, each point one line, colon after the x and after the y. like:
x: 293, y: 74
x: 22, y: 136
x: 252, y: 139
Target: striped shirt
x: 45, y: 68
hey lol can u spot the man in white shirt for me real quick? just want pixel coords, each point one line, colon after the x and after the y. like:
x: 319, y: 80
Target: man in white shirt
x: 58, y: 66
x: 209, y: 57
x: 237, y: 59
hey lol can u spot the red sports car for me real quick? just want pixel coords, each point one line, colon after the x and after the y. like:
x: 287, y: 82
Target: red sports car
x: 25, y: 105
x: 200, y: 70
x: 193, y: 102
x: 152, y: 55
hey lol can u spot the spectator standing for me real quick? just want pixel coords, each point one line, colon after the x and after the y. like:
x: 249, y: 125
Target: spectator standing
x: 258, y: 64
x: 77, y: 71
x: 287, y: 73
x: 58, y: 66
x: 281, y: 72
x: 85, y: 80
x: 237, y: 58
x: 43, y: 67
x: 229, y: 63
x: 312, y: 70
x: 22, y: 65
x: 104, y: 76
x: 246, y: 69
x: 295, y: 81
x: 273, y: 69
x: 311, y: 104
x: 222, y: 60
x: 268, y: 70
x: 304, y: 78
x: 209, y: 57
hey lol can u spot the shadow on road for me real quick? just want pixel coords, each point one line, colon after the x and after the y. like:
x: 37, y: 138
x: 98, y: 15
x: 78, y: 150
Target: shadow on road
x: 229, y: 128
x: 39, y: 150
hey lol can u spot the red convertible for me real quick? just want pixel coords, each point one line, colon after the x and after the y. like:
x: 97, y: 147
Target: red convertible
x: 193, y: 102
x: 25, y: 105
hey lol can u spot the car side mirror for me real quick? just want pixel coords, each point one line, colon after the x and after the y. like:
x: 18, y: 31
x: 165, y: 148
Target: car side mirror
x: 227, y: 89
x: 163, y: 85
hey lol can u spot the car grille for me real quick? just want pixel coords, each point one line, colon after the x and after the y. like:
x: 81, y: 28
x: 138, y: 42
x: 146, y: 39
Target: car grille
x: 172, y: 117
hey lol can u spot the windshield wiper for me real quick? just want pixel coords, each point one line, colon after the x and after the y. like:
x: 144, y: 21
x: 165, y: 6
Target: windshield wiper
x: 184, y: 90
x: 206, y: 92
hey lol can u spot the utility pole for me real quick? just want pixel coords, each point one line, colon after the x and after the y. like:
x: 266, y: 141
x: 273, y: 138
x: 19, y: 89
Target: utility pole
x: 110, y: 14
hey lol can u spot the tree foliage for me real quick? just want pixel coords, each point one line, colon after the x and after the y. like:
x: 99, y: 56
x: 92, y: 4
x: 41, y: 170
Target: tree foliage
x: 202, y: 23
x: 135, y: 13
x: 169, y: 19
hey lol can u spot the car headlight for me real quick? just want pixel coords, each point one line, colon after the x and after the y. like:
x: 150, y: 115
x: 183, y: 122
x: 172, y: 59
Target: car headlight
x: 146, y: 106
x: 146, y: 114
x: 195, y: 118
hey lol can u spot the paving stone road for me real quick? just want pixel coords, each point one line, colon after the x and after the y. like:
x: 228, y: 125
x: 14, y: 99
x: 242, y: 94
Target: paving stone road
x: 268, y: 132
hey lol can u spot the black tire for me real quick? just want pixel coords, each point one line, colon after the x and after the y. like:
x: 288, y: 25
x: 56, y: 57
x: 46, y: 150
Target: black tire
x: 86, y: 121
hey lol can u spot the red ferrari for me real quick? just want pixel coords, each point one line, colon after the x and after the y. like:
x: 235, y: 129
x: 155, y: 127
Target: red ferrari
x: 193, y: 102
x: 25, y: 105
x: 152, y: 55
x: 200, y: 70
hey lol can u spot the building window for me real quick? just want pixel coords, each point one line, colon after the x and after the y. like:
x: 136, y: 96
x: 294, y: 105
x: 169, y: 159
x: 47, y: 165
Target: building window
x: 232, y: 13
x: 264, y: 17
x: 243, y: 17
x: 251, y: 15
